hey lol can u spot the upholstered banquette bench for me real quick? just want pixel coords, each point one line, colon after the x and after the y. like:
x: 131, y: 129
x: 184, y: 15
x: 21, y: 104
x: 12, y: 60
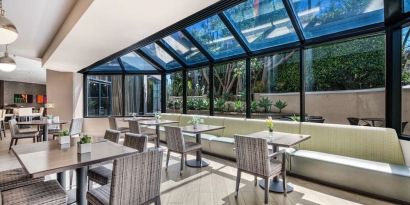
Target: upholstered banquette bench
x: 366, y: 159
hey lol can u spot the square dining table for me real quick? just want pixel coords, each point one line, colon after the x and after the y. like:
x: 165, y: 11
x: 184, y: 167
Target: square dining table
x: 279, y: 139
x: 49, y: 157
x: 157, y: 124
x: 44, y: 124
x: 197, y: 130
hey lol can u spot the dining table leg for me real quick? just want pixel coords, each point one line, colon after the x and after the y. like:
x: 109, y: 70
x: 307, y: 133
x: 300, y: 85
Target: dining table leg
x: 45, y: 132
x: 81, y: 191
x: 158, y: 132
x: 198, y: 162
x: 275, y: 184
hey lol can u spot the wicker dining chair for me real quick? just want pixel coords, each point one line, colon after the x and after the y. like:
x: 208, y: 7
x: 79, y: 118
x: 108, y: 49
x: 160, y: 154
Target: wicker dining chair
x: 17, y: 134
x: 2, y: 123
x: 114, y: 125
x: 252, y: 157
x: 40, y: 193
x: 136, y: 128
x: 176, y: 143
x: 136, y: 180
x: 14, y: 178
x: 102, y: 174
x: 76, y: 127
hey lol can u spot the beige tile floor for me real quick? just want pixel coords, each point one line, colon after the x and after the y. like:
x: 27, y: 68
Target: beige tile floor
x: 215, y: 184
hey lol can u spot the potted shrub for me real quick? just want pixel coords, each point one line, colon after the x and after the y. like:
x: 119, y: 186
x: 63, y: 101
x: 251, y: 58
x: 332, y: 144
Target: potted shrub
x: 280, y: 105
x: 64, y: 137
x: 195, y: 121
x: 84, y: 145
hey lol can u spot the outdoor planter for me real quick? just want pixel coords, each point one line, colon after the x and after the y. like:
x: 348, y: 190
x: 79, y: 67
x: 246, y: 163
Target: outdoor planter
x: 83, y: 148
x: 64, y: 139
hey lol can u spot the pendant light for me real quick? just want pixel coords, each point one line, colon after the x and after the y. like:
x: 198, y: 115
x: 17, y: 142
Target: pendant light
x: 8, y: 32
x: 7, y: 64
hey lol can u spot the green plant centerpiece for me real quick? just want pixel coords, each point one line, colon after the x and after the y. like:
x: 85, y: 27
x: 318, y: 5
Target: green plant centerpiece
x: 84, y: 145
x: 269, y: 124
x: 157, y: 116
x: 195, y: 121
x: 280, y: 105
x: 64, y: 137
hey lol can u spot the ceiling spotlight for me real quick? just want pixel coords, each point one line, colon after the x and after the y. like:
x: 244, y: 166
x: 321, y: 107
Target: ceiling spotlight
x: 7, y: 64
x: 8, y: 32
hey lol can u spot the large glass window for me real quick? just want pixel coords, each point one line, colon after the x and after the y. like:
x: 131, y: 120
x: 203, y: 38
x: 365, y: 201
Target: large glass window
x: 197, y: 91
x: 153, y: 93
x: 174, y: 92
x: 133, y: 63
x: 134, y: 93
x: 263, y: 23
x: 104, y: 97
x: 229, y: 89
x: 213, y: 35
x: 181, y: 44
x: 405, y: 81
x: 110, y: 67
x: 160, y: 56
x: 275, y: 86
x: 406, y: 5
x: 345, y: 82
x: 320, y: 17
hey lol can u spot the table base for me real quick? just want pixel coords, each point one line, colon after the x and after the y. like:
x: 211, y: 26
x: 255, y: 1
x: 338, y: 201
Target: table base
x: 196, y: 164
x: 275, y: 186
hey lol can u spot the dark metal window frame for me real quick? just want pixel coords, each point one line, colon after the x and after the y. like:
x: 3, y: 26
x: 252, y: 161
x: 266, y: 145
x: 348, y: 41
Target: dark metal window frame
x: 391, y: 27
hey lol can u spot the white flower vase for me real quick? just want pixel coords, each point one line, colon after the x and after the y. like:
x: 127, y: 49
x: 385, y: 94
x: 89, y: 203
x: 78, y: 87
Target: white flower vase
x: 83, y: 148
x: 64, y: 140
x: 195, y: 126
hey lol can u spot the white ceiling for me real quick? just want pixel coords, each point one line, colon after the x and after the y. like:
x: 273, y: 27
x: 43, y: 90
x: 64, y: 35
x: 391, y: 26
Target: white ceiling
x: 37, y: 22
x: 28, y: 70
x: 107, y: 26
x: 68, y: 35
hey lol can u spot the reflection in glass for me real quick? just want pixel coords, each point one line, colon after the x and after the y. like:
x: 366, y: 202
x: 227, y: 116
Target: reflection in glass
x: 104, y: 95
x: 174, y: 92
x: 320, y: 17
x: 179, y: 42
x: 405, y: 81
x: 263, y: 23
x: 197, y: 91
x: 346, y: 81
x: 112, y: 67
x: 275, y: 86
x: 229, y: 89
x: 213, y: 35
x: 134, y: 62
x: 160, y: 56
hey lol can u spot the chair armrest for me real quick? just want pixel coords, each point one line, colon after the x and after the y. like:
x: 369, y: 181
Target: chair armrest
x: 280, y: 152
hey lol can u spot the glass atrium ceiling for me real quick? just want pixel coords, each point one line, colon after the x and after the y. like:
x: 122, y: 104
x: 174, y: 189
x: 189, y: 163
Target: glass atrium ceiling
x: 248, y: 28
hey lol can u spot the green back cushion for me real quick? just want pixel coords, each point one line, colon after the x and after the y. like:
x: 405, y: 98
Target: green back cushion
x: 218, y: 121
x: 369, y: 143
x: 171, y: 116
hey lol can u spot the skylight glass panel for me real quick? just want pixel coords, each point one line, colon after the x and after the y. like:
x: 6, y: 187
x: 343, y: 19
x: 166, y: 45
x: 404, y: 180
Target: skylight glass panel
x: 110, y: 67
x: 263, y: 23
x: 134, y: 62
x: 213, y: 35
x: 319, y: 17
x: 406, y: 5
x: 160, y: 56
x: 184, y: 48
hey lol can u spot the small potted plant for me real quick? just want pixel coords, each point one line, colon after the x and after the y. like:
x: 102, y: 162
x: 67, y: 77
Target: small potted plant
x: 195, y: 121
x: 49, y: 119
x: 64, y: 137
x: 269, y: 124
x: 84, y: 145
x: 157, y: 116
